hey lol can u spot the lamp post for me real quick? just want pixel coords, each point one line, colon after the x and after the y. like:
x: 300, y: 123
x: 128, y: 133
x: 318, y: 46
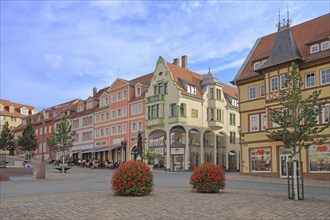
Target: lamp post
x: 43, y: 136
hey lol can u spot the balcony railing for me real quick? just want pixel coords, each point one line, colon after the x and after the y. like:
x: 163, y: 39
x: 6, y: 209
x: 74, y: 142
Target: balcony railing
x: 177, y: 119
x: 217, y: 124
x: 155, y: 98
x: 155, y: 122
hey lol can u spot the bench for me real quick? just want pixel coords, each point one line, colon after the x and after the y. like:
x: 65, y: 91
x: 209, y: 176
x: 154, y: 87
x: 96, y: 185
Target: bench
x: 61, y: 168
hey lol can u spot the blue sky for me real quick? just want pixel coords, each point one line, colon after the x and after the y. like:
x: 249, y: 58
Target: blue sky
x: 56, y: 51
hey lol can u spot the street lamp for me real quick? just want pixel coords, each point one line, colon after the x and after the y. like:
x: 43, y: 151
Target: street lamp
x: 43, y: 136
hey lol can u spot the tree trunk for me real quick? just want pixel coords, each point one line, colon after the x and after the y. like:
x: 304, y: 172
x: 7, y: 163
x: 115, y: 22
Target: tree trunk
x: 295, y: 181
x: 63, y: 163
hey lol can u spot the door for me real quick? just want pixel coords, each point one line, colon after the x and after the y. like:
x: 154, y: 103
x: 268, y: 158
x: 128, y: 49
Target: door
x: 232, y: 161
x: 177, y: 162
x: 284, y: 158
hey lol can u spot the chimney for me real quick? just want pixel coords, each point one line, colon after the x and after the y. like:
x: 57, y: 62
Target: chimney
x: 94, y: 91
x: 184, y: 60
x: 176, y: 61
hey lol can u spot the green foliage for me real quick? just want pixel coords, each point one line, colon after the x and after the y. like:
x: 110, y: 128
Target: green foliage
x: 63, y: 137
x: 7, y: 138
x: 298, y: 125
x: 150, y: 156
x: 208, y: 178
x: 28, y: 141
x: 132, y: 178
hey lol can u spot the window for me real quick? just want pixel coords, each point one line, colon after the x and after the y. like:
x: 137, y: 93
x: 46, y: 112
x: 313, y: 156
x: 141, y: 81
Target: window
x: 114, y: 97
x: 325, y: 76
x: 211, y: 93
x: 263, y: 62
x: 13, y: 119
x: 219, y: 115
x: 315, y: 48
x: 124, y: 129
x: 232, y: 119
x: 326, y: 114
x: 118, y: 95
x: 138, y: 91
x: 252, y: 93
x: 262, y: 90
x: 160, y: 88
x: 134, y: 109
x: 165, y: 88
x: 173, y: 110
x: 319, y: 158
x: 191, y: 89
x: 106, y: 131
x: 263, y: 121
x: 155, y: 90
x: 2, y: 117
x: 254, y: 123
x: 125, y: 111
x: 125, y: 94
x: 89, y: 105
x: 11, y: 109
x: 36, y: 132
x: 24, y: 111
x: 113, y: 130
x: 274, y: 84
x: 113, y: 114
x: 219, y: 94
x: 96, y: 133
x: 106, y: 116
x: 134, y: 128
x: 310, y: 80
x: 153, y: 111
x: 256, y: 65
x: 140, y: 126
x: 232, y: 139
x: 80, y: 108
x: 260, y: 160
x: 118, y: 129
x: 119, y: 112
x: 140, y: 108
x: 283, y: 82
x: 1, y: 108
x: 325, y: 45
x: 234, y: 102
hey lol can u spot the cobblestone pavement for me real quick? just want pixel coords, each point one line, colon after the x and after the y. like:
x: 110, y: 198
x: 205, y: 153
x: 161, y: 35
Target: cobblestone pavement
x: 85, y: 194
x: 165, y: 204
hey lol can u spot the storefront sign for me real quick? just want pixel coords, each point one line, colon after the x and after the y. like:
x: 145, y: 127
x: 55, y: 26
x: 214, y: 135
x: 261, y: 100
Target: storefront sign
x: 177, y: 150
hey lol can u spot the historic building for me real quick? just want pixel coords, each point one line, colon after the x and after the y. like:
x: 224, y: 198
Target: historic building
x: 262, y: 77
x: 44, y: 123
x: 14, y: 112
x: 190, y: 118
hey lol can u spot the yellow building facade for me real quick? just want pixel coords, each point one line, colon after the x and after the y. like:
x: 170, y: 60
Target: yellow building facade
x: 260, y: 80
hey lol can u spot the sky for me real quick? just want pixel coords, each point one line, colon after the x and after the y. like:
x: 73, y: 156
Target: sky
x: 56, y: 51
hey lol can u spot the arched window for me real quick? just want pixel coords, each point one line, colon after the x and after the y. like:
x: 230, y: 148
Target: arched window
x: 178, y: 135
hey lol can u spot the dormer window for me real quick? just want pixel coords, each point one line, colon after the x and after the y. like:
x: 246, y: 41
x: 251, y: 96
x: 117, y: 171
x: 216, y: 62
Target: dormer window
x: 89, y: 105
x: 1, y: 108
x: 34, y: 111
x: 104, y: 102
x: 191, y: 89
x: 11, y: 109
x: 24, y: 111
x: 80, y: 108
x: 325, y: 45
x: 263, y: 62
x: 138, y: 91
x: 234, y: 102
x: 315, y: 48
x: 256, y: 65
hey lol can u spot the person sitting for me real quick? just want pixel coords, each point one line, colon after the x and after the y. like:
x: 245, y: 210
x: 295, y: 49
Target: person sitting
x: 28, y: 165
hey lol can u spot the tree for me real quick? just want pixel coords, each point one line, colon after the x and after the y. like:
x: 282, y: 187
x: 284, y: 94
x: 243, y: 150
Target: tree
x: 62, y: 139
x: 297, y: 121
x: 7, y: 139
x: 28, y: 141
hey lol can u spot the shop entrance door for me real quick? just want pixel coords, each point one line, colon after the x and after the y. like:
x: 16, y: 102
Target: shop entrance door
x: 177, y: 162
x: 284, y: 158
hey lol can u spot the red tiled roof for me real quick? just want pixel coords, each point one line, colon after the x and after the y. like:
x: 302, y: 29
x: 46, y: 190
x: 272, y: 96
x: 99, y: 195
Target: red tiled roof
x: 195, y: 79
x: 304, y: 33
x: 145, y: 79
x: 17, y: 107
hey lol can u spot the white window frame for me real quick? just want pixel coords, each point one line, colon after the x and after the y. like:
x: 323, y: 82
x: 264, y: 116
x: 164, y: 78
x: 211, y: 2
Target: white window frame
x: 119, y: 95
x: 306, y: 81
x: 255, y: 89
x: 324, y: 121
x: 139, y: 126
x: 321, y: 73
x: 124, y: 94
x: 134, y: 109
x: 256, y: 65
x: 325, y: 43
x: 124, y: 111
x: 89, y: 105
x: 281, y: 82
x: 251, y: 118
x: 260, y: 90
x: 263, y: 122
x: 263, y: 62
x: 271, y: 84
x: 138, y: 91
x: 139, y: 108
x: 316, y: 47
x: 134, y: 127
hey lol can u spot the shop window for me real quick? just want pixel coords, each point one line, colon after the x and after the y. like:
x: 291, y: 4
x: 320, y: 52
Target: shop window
x: 260, y: 160
x: 319, y: 158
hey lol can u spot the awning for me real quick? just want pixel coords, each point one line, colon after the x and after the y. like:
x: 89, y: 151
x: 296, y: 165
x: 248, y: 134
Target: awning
x: 76, y: 151
x: 90, y: 150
